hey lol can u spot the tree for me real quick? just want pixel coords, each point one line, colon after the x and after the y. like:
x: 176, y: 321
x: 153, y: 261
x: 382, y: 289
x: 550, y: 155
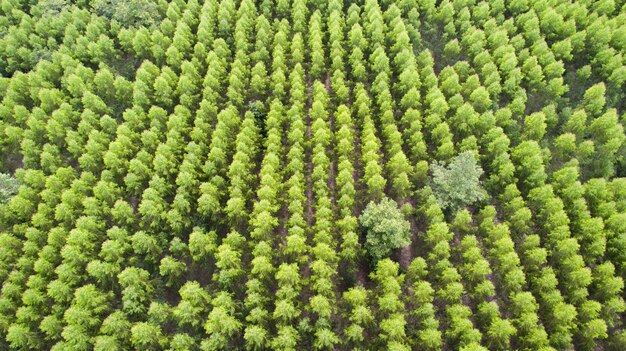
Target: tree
x: 256, y: 337
x: 221, y: 324
x: 181, y: 342
x: 20, y: 336
x: 287, y: 338
x: 458, y: 184
x: 171, y: 269
x: 137, y: 290
x: 325, y: 339
x: 146, y: 336
x: 129, y: 13
x: 202, y: 244
x: 385, y: 227
x: 8, y: 187
x: 608, y: 136
x: 594, y: 99
x: 499, y: 333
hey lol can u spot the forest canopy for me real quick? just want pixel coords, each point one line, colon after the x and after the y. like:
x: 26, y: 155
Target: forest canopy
x: 407, y: 175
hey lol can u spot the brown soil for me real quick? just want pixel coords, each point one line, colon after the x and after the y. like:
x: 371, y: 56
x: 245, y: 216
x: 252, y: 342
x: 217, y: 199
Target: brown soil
x: 405, y: 257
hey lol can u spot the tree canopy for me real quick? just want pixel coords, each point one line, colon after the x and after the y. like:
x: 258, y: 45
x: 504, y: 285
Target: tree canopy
x: 385, y: 228
x: 457, y: 184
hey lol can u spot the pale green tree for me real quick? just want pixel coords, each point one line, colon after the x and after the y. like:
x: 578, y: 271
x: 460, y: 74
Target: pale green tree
x: 385, y: 227
x: 458, y: 184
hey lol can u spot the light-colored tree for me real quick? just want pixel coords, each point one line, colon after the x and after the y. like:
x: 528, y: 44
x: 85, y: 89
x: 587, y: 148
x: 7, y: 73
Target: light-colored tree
x: 458, y: 184
x: 386, y: 229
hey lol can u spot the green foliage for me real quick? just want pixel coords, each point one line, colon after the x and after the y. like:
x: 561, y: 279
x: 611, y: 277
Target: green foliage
x: 53, y: 7
x: 8, y: 187
x: 134, y: 13
x: 458, y: 184
x: 385, y: 228
x: 189, y: 175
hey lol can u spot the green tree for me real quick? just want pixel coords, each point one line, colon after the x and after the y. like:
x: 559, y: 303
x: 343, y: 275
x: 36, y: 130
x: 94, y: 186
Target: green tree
x: 202, y: 244
x: 133, y: 13
x: 136, y: 290
x: 458, y: 184
x: 171, y: 269
x: 8, y: 187
x: 147, y: 336
x: 385, y: 227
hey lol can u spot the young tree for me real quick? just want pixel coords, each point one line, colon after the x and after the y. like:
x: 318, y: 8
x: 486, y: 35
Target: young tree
x: 147, y: 336
x: 137, y: 290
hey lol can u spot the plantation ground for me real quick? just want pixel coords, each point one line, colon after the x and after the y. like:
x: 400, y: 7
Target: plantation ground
x: 191, y: 174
